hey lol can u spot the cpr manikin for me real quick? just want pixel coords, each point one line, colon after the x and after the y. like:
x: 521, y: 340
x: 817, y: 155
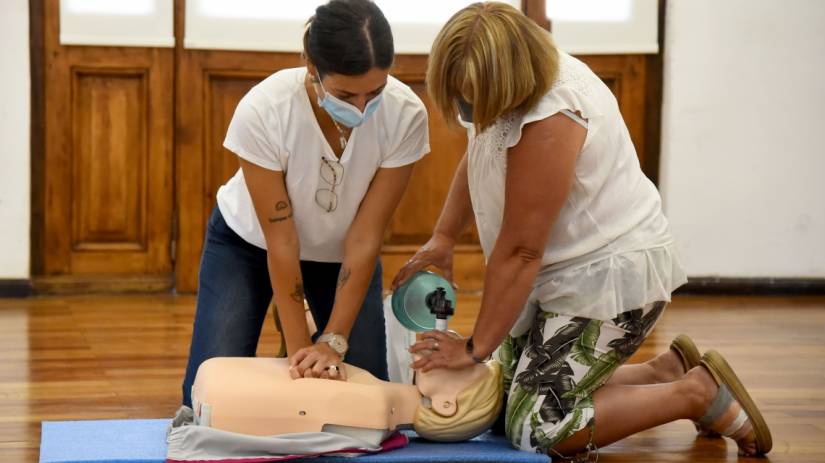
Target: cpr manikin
x: 257, y: 396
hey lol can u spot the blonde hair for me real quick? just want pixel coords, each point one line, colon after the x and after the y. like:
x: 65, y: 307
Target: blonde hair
x: 477, y: 406
x: 493, y: 57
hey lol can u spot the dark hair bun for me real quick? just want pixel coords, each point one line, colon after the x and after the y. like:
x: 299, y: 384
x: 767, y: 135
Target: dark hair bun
x: 349, y: 37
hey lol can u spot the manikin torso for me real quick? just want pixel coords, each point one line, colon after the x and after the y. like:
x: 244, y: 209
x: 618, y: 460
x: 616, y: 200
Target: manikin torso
x: 257, y: 396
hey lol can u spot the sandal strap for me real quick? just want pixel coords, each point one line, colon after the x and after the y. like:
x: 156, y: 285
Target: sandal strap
x: 686, y: 350
x: 717, y: 408
x: 737, y: 424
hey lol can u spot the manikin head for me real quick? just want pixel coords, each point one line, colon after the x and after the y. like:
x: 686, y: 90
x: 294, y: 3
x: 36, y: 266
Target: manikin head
x: 462, y: 403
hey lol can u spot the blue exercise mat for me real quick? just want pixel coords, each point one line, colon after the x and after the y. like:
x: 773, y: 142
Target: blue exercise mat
x: 103, y: 441
x: 144, y: 441
x: 486, y: 448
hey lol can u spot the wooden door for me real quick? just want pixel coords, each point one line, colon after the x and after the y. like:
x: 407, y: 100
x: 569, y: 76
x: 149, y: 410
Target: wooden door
x: 104, y: 213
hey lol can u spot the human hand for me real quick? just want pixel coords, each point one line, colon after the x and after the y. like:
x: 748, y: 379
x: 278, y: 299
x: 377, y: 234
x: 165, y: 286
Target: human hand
x: 441, y: 349
x: 317, y: 361
x: 438, y: 252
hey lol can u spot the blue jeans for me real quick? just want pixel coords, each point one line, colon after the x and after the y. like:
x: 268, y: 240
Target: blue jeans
x: 234, y: 292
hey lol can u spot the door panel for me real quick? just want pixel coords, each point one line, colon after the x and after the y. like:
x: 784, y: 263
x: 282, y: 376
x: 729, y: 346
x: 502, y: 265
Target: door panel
x: 107, y: 189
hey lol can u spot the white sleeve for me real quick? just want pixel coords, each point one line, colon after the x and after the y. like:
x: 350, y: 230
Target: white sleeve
x: 411, y: 134
x: 250, y: 135
x: 559, y: 100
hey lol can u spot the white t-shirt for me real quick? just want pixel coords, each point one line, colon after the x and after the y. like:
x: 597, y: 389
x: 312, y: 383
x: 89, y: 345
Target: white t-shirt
x: 610, y: 249
x: 274, y: 127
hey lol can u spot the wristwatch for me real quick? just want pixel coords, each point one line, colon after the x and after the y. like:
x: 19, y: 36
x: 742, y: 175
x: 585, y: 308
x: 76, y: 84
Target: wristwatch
x: 469, y: 346
x: 336, y: 341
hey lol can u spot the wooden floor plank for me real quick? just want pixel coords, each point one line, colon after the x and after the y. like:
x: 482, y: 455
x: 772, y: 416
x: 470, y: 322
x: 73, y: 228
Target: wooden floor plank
x: 101, y: 357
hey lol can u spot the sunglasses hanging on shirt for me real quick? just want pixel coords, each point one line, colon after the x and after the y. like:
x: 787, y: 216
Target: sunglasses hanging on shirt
x: 332, y: 172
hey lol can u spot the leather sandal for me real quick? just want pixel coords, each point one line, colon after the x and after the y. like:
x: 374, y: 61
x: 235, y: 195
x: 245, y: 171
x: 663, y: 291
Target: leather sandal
x: 733, y: 413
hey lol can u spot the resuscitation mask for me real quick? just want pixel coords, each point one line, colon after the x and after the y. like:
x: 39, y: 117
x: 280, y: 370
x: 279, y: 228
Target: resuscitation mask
x: 424, y: 302
x: 344, y: 112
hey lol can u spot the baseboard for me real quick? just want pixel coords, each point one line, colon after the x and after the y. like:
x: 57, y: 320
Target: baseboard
x: 753, y: 286
x: 101, y: 284
x: 15, y: 288
x: 66, y: 285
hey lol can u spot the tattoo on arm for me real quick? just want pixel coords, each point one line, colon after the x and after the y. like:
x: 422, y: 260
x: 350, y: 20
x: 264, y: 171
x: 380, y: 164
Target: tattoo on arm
x: 343, y: 276
x: 298, y: 294
x: 280, y: 214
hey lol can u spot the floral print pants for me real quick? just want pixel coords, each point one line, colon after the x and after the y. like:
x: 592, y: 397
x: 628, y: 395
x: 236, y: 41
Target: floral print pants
x: 551, y: 371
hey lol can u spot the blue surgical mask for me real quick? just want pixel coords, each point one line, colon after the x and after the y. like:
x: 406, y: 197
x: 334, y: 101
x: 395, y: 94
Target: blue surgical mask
x: 344, y: 112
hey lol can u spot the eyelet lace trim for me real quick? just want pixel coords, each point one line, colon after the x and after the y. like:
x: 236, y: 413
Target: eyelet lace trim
x: 568, y: 76
x: 493, y: 141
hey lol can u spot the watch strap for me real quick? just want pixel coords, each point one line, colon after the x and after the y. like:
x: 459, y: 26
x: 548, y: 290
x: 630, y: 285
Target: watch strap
x: 469, y: 346
x: 337, y: 342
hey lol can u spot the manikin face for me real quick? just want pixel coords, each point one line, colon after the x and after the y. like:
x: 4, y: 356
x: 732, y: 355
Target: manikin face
x: 463, y: 403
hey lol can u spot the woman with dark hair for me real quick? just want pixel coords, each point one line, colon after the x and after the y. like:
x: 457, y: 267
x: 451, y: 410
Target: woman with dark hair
x: 325, y: 152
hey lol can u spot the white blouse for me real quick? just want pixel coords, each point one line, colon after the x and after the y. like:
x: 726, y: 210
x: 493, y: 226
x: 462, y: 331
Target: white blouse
x: 274, y: 127
x: 610, y: 250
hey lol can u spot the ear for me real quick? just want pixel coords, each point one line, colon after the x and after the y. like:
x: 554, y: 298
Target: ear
x: 312, y: 71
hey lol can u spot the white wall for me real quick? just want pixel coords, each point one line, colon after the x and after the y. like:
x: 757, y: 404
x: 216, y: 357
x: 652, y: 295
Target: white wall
x: 743, y: 136
x: 14, y: 139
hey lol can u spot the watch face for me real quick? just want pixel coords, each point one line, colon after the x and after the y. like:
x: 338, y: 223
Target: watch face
x: 338, y: 343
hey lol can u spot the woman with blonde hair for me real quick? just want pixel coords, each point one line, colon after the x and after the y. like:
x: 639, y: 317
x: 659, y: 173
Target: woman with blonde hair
x: 580, y: 259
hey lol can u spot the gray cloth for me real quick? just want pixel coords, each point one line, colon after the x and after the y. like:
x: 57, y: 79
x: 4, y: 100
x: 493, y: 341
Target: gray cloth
x: 189, y: 441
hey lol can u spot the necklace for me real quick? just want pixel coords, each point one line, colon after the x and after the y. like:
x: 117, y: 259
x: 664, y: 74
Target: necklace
x: 342, y: 138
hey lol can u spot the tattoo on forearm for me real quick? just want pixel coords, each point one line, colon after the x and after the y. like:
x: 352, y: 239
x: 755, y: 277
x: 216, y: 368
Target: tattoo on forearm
x: 298, y: 294
x: 280, y: 208
x: 343, y: 276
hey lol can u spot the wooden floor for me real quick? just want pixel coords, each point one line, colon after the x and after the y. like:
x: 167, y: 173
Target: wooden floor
x: 74, y: 358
